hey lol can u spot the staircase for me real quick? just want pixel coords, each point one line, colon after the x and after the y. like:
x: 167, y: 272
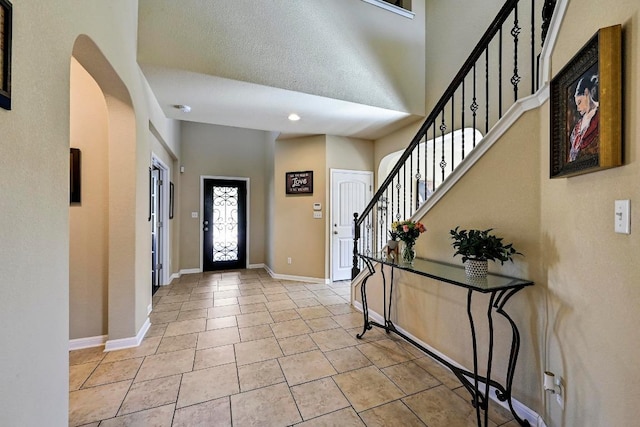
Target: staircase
x: 503, y: 68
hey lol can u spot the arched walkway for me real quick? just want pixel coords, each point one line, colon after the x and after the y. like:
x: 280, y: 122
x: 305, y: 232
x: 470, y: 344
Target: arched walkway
x: 114, y: 275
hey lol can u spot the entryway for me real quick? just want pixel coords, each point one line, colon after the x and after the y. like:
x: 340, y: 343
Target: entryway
x: 158, y: 217
x: 224, y: 223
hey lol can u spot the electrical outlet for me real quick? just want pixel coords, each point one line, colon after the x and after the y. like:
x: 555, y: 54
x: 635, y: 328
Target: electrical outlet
x: 289, y: 260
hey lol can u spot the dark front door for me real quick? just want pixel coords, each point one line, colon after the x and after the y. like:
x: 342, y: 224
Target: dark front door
x: 224, y: 224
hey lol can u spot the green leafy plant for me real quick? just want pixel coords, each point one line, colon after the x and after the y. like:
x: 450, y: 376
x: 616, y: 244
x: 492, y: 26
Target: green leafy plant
x: 481, y: 245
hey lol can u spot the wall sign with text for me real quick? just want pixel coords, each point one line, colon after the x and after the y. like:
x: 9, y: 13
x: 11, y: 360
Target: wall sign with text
x: 299, y: 182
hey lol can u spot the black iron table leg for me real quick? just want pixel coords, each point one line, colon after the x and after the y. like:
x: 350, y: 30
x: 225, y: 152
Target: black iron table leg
x: 499, y: 292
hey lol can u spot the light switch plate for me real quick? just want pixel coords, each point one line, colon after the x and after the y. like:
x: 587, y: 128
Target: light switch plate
x: 623, y: 216
x: 317, y: 214
x: 194, y: 214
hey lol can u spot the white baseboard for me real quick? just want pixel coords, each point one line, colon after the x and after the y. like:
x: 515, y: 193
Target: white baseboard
x: 522, y: 410
x: 174, y: 276
x: 122, y: 343
x: 149, y: 308
x: 189, y: 271
x: 80, y: 343
x: 255, y: 266
x: 296, y: 278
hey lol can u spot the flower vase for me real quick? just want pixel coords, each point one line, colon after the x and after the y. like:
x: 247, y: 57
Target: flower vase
x: 408, y: 252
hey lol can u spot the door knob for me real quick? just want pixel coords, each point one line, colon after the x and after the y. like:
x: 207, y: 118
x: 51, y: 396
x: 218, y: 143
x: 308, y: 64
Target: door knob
x: 206, y: 222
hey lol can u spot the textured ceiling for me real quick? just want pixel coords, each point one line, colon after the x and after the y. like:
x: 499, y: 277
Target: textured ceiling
x: 346, y: 67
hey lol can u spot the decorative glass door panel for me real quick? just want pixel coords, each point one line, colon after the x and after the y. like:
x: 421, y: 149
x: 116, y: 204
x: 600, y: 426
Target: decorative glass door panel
x: 224, y: 224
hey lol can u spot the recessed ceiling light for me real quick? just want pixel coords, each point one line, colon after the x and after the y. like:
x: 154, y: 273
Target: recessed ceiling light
x: 183, y: 108
x: 294, y: 117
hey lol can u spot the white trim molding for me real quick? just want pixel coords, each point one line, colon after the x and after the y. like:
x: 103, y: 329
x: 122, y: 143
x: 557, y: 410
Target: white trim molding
x: 296, y: 278
x: 391, y: 8
x: 122, y: 343
x: 190, y: 271
x: 89, y: 342
x: 510, y: 117
x: 255, y: 266
x: 521, y: 409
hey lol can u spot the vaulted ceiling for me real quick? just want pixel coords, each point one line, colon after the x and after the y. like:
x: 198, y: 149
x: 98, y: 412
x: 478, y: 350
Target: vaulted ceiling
x: 346, y: 67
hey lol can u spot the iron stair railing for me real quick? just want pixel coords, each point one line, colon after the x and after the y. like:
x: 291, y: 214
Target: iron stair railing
x: 467, y: 110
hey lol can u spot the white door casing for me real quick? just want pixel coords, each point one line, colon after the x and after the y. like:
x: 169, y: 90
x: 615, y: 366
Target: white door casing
x: 350, y: 192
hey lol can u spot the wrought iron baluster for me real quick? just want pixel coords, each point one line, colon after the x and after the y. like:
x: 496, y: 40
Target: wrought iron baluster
x: 486, y: 101
x: 426, y: 160
x: 515, y: 32
x: 418, y: 176
x: 464, y: 125
x: 547, y: 13
x: 434, y: 155
x: 453, y: 127
x: 398, y: 187
x: 533, y: 50
x: 500, y: 73
x: 410, y: 185
x: 474, y: 106
x: 443, y: 162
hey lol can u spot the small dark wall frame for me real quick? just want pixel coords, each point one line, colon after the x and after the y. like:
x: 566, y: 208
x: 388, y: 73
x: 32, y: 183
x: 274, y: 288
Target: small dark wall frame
x: 171, y: 200
x: 299, y: 182
x: 586, y: 108
x: 74, y: 176
x: 6, y: 24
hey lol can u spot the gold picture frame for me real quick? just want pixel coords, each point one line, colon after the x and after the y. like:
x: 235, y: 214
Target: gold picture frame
x: 586, y: 108
x: 6, y: 22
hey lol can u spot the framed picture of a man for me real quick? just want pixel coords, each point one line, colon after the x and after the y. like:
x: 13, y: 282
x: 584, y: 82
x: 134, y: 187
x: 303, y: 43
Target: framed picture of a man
x: 586, y: 108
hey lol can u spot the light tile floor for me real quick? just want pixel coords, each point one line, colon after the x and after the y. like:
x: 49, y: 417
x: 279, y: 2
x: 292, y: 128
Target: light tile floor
x: 242, y: 349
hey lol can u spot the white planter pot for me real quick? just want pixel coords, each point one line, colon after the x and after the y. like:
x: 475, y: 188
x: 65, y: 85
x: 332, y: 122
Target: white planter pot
x: 476, y: 267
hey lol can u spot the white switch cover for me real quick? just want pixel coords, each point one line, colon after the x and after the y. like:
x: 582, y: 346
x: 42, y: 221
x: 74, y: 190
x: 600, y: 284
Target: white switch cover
x: 317, y: 214
x: 194, y: 214
x: 623, y: 216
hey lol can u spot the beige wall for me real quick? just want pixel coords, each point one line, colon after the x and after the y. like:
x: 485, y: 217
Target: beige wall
x: 349, y: 153
x: 453, y: 29
x: 591, y: 308
x: 270, y: 196
x: 580, y: 319
x: 34, y: 172
x: 296, y: 234
x: 210, y: 150
x: 88, y: 220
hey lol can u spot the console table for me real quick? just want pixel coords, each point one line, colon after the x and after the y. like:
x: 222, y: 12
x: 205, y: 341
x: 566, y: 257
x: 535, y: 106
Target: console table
x: 500, y: 290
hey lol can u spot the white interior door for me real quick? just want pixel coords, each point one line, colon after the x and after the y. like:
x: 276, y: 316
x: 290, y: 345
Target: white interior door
x: 350, y: 192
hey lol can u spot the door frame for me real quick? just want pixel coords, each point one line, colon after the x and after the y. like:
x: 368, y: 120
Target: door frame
x: 165, y: 175
x: 331, y: 210
x: 247, y: 213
